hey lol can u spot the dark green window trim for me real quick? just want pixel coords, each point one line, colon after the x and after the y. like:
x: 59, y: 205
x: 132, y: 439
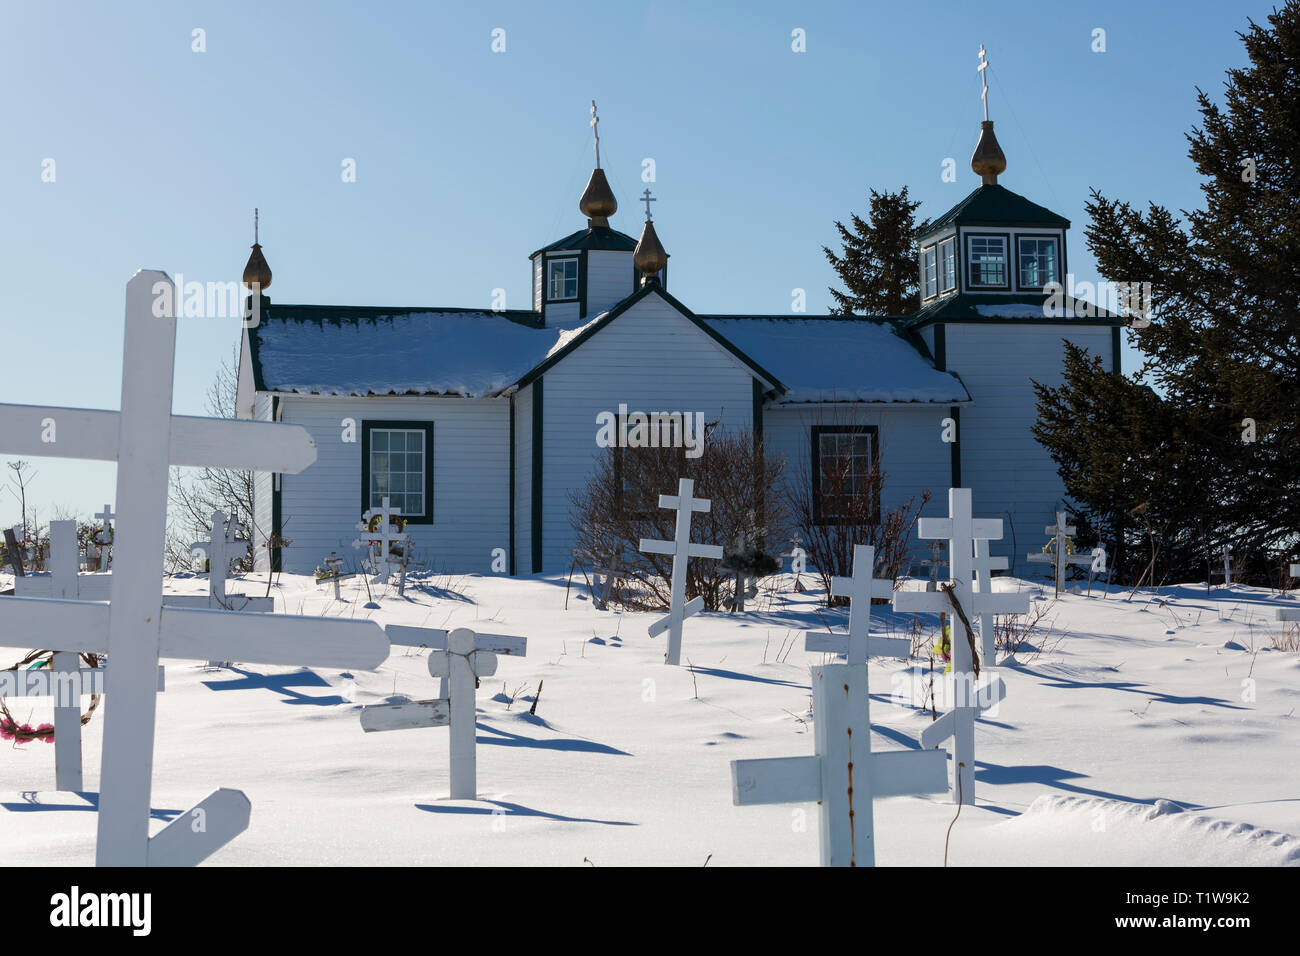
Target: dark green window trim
x: 1007, y: 259
x: 547, y: 262
x: 1055, y: 239
x: 582, y: 284
x: 1116, y: 343
x: 409, y: 424
x: 955, y: 413
x: 536, y: 477
x: 620, y: 453
x: 510, y: 549
x: 277, y: 506
x: 816, y: 463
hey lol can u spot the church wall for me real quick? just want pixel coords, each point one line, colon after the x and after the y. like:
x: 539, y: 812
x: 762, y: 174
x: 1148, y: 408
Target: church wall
x: 609, y: 280
x: 912, y: 454
x: 262, y: 487
x: 523, y: 480
x: 651, y: 358
x: 471, y: 456
x: 1006, y: 469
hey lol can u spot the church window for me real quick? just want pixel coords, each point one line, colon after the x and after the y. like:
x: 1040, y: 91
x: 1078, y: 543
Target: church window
x: 562, y: 283
x: 988, y: 262
x: 398, y: 465
x: 655, y: 453
x: 1037, y: 256
x: 929, y: 272
x: 845, y: 474
x: 948, y: 264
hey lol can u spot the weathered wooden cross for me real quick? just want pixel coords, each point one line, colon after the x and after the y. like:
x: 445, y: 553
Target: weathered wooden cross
x: 681, y: 550
x: 742, y: 579
x: 106, y: 534
x: 134, y: 628
x: 335, y: 564
x: 1227, y: 571
x: 842, y: 775
x: 858, y: 645
x: 968, y: 700
x: 798, y: 564
x: 460, y: 659
x: 1060, y: 558
x: 602, y: 583
x: 934, y: 562
x: 984, y: 566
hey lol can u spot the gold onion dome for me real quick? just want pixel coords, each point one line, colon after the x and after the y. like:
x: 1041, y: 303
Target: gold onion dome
x: 649, y: 257
x: 598, y: 202
x: 988, y: 159
x: 257, y: 272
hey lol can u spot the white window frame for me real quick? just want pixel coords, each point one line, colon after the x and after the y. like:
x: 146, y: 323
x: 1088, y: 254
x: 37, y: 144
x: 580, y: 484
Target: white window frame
x: 951, y: 245
x: 929, y: 272
x: 972, y: 266
x: 1056, y: 260
x: 375, y: 498
x: 550, y: 280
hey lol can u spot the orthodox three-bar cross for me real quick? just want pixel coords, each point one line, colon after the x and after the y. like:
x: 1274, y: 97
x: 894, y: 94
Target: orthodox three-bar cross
x: 106, y: 534
x: 134, y: 628
x: 1060, y: 558
x: 962, y: 530
x: 681, y: 549
x: 842, y: 775
x: 860, y: 589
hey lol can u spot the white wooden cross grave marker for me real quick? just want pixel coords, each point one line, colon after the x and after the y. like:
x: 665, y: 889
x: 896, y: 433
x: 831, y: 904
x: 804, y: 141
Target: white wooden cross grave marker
x: 70, y: 681
x: 602, y: 580
x: 219, y: 554
x: 134, y: 628
x: 384, y: 564
x: 106, y: 535
x: 1060, y: 558
x: 860, y: 589
x: 335, y: 564
x: 934, y: 562
x: 1227, y: 571
x: 842, y: 775
x: 961, y: 530
x: 459, y: 659
x: 681, y: 550
x: 985, y: 563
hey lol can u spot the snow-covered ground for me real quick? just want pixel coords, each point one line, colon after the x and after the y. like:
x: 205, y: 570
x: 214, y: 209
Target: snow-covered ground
x: 1161, y: 729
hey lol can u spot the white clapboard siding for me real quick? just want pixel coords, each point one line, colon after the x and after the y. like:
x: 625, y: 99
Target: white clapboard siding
x: 563, y: 313
x: 537, y: 284
x: 1001, y: 462
x: 913, y: 455
x: 523, y: 480
x: 610, y: 279
x: 321, y: 507
x: 652, y: 358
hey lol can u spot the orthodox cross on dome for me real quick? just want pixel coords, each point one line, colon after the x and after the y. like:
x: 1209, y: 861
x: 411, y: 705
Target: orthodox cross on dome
x: 595, y: 131
x: 255, y: 239
x: 648, y: 199
x: 984, y: 78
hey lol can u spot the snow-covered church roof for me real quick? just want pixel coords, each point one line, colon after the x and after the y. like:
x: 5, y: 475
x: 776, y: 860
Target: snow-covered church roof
x: 839, y: 360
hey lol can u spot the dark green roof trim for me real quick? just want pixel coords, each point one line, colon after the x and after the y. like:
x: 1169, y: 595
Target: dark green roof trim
x: 251, y: 341
x: 338, y: 314
x: 593, y: 237
x: 996, y: 206
x: 619, y: 309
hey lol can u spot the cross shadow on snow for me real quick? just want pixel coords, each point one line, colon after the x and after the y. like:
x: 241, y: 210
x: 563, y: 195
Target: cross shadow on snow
x: 1047, y: 776
x: 519, y: 810
x: 1132, y: 687
x: 31, y: 802
x: 734, y: 675
x: 281, y: 684
x: 506, y: 739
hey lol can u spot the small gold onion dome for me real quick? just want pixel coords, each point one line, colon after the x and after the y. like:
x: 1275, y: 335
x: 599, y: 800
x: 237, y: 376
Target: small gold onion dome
x: 257, y: 271
x: 649, y: 257
x: 598, y: 202
x: 988, y: 159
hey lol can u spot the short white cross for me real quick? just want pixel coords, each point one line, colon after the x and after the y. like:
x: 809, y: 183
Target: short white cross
x: 602, y: 585
x: 843, y: 775
x: 106, y: 535
x: 1228, y: 571
x: 335, y: 564
x: 459, y: 659
x: 386, y: 536
x: 959, y: 723
x: 984, y: 565
x: 135, y: 629
x: 1060, y: 558
x: 860, y: 589
x: 934, y: 562
x: 681, y: 550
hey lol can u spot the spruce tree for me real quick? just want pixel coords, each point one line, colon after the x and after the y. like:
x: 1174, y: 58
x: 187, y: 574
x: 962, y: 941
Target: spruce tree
x: 879, y: 265
x: 1222, y: 350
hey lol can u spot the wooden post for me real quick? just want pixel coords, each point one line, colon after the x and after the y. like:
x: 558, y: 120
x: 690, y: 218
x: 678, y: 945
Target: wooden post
x: 15, y: 553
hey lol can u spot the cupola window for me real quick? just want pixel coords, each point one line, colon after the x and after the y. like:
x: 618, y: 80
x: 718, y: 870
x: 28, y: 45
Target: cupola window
x: 1037, y: 255
x: 562, y: 282
x: 948, y: 265
x: 988, y: 262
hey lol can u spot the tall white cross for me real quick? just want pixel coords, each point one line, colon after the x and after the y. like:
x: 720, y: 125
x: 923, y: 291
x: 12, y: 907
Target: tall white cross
x: 459, y: 658
x: 860, y: 589
x: 843, y: 775
x: 984, y: 78
x: 134, y: 629
x: 385, y: 565
x: 983, y: 567
x: 106, y: 534
x: 681, y: 550
x: 1060, y: 558
x: 968, y: 700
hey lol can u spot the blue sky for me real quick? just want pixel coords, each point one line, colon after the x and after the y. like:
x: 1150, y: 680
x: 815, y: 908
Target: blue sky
x: 467, y: 160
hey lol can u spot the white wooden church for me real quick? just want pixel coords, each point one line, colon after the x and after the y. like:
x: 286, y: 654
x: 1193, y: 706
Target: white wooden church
x: 479, y: 424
